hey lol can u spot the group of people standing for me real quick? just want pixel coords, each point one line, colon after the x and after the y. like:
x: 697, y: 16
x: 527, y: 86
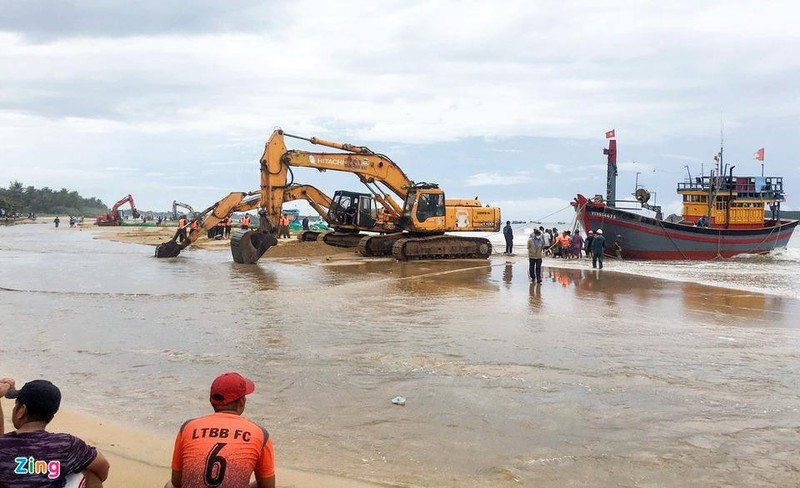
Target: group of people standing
x: 567, y: 245
x: 222, y: 230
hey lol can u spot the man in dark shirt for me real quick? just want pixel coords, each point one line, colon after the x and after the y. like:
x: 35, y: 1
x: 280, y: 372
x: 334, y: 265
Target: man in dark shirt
x: 598, y: 248
x: 31, y: 457
x: 508, y: 233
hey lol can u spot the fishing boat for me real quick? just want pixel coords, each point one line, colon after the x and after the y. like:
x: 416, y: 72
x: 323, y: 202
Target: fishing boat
x: 723, y: 216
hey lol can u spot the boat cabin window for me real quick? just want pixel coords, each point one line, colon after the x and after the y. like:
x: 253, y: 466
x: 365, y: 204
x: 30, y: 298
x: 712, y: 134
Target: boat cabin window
x: 695, y: 198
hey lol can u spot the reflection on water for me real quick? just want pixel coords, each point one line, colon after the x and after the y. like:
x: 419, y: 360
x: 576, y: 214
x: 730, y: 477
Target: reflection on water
x: 535, y: 294
x: 698, y: 301
x: 589, y: 376
x: 508, y: 274
x: 262, y: 278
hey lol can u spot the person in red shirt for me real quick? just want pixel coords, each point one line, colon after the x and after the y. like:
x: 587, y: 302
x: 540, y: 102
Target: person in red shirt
x: 223, y: 449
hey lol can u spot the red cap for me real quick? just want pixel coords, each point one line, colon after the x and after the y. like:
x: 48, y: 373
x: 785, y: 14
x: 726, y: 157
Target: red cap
x: 229, y: 387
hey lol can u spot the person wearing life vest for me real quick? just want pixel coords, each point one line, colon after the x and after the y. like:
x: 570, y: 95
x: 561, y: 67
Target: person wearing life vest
x: 565, y: 244
x: 182, y: 228
x: 219, y: 229
x: 245, y: 223
x: 283, y: 223
x: 228, y: 225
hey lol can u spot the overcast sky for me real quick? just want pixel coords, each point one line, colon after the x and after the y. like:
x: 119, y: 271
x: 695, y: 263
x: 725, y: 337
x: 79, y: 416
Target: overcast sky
x: 508, y: 101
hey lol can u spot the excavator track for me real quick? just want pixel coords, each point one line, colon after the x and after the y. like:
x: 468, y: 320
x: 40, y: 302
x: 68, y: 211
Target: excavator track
x: 247, y: 246
x: 308, y: 235
x: 374, y: 246
x: 342, y: 239
x: 442, y: 247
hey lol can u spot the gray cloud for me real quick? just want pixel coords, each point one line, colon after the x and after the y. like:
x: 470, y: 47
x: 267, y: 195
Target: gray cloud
x: 45, y: 20
x: 188, y: 93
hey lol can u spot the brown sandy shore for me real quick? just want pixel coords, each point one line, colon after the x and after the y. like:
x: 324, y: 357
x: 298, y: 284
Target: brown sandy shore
x: 152, y: 236
x: 145, y: 457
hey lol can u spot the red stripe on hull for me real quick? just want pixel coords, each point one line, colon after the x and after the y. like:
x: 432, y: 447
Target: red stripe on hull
x: 685, y: 236
x: 646, y: 238
x: 684, y: 255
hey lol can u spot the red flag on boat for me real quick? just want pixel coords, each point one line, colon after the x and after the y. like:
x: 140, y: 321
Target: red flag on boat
x: 759, y: 155
x: 610, y: 134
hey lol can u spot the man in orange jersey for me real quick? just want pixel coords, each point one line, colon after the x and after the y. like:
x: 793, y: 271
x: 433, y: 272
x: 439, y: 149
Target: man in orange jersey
x: 223, y: 449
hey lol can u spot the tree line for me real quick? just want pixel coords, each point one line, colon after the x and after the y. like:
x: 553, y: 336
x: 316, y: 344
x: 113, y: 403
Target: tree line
x: 18, y: 198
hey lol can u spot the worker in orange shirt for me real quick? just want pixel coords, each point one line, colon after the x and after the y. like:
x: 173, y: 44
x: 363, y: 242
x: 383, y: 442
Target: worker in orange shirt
x: 224, y: 449
x: 283, y: 223
x: 565, y: 244
x: 228, y: 226
x: 245, y: 223
x: 219, y: 229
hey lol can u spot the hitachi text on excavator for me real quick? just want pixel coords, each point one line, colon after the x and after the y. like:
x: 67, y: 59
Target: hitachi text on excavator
x: 412, y: 219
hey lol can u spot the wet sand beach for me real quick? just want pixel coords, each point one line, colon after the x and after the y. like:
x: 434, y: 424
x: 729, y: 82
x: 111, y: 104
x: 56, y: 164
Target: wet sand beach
x: 593, y: 378
x: 141, y: 458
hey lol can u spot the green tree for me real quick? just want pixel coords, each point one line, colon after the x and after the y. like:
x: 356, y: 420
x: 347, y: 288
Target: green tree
x: 21, y: 199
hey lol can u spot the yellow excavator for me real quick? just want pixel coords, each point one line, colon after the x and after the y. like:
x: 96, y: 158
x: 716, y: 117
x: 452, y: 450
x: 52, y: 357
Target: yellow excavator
x: 345, y: 234
x: 413, y: 228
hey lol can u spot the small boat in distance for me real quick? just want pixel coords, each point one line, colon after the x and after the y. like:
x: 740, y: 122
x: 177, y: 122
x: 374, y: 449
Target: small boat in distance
x: 723, y: 216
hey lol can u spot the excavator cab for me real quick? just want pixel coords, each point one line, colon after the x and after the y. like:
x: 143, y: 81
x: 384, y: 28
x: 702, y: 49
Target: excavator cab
x: 424, y: 209
x: 353, y: 209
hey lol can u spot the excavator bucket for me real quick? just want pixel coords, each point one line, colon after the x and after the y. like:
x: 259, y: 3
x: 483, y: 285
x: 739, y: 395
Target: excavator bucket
x: 308, y: 235
x: 247, y: 246
x: 168, y: 249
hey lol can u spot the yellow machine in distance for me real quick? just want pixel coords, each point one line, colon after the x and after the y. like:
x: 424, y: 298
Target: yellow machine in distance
x: 411, y: 223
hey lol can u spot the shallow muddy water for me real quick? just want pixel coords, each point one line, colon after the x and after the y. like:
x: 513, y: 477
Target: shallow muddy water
x: 591, y: 379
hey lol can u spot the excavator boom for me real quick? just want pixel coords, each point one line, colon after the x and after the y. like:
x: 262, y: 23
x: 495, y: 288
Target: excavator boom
x: 420, y: 210
x: 176, y: 204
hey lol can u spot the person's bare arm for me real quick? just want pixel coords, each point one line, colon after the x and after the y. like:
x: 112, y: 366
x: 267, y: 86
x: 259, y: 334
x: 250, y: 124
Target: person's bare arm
x: 177, y: 478
x: 5, y: 385
x: 99, y: 466
x: 263, y: 483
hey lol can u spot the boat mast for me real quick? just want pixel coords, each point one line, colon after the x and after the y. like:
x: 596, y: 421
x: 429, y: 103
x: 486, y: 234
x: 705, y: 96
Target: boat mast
x: 611, y: 173
x: 715, y: 180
